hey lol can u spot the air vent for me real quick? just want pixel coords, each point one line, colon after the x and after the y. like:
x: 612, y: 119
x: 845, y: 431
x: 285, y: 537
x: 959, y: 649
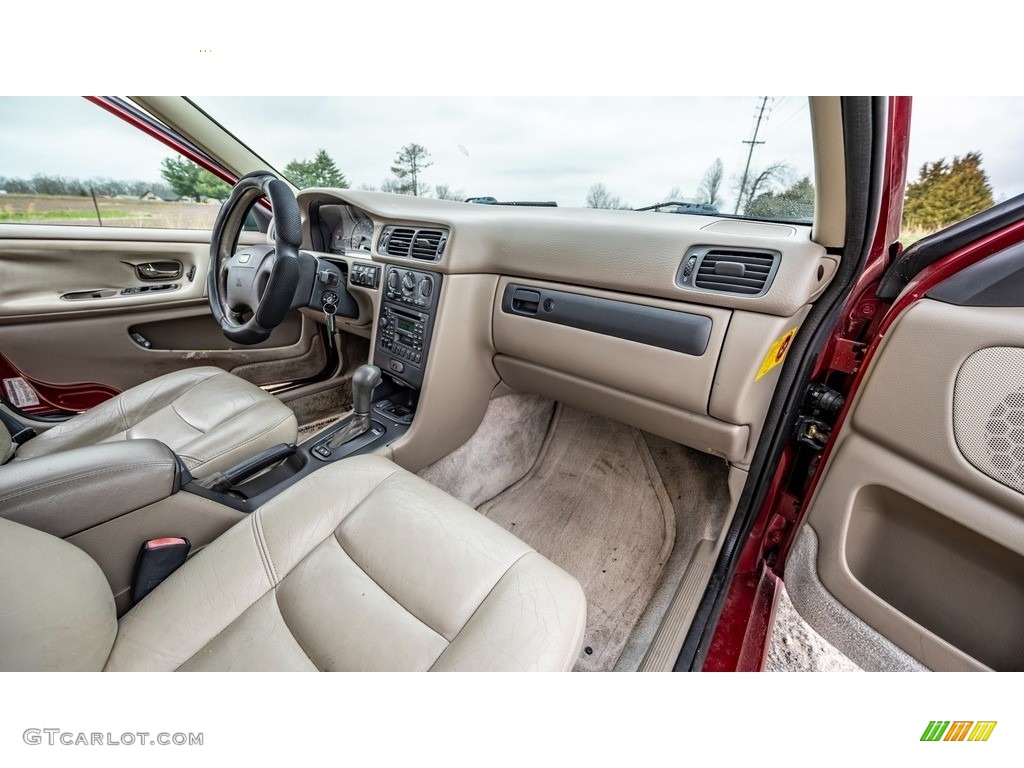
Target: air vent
x: 398, y: 241
x: 747, y: 273
x: 427, y: 244
x: 419, y: 244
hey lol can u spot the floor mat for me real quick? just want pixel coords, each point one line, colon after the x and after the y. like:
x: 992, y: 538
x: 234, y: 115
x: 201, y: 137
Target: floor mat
x: 595, y: 505
x: 500, y: 453
x: 698, y: 487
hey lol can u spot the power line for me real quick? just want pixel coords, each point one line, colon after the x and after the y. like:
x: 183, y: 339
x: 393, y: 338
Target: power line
x: 790, y: 118
x: 753, y: 142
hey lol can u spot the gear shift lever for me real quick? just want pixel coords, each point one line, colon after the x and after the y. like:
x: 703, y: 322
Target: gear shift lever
x: 364, y: 380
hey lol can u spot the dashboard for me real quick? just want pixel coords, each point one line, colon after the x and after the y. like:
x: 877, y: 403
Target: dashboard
x: 661, y: 321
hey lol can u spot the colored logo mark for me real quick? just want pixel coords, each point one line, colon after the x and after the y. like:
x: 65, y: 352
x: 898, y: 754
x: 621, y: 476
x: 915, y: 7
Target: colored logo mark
x: 958, y: 730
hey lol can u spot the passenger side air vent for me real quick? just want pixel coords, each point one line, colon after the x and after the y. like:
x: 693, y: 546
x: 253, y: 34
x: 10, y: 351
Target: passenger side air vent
x: 419, y: 244
x: 728, y: 270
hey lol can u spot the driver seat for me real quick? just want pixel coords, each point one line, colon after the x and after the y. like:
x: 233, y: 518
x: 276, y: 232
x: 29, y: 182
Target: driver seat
x: 208, y: 417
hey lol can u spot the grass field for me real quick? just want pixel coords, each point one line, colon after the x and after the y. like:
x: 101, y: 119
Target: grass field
x: 54, y: 209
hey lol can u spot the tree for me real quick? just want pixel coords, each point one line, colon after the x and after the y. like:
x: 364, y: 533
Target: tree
x: 759, y: 182
x: 56, y: 185
x: 445, y: 192
x: 598, y: 197
x: 189, y: 180
x: 410, y: 161
x: 794, y: 202
x: 321, y: 171
x: 709, y: 189
x: 946, y: 193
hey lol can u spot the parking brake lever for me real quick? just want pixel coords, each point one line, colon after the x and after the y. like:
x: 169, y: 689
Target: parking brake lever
x: 223, y: 481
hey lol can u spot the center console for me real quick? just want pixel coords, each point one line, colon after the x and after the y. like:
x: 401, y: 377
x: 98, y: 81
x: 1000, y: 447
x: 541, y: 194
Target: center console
x: 405, y: 323
x: 385, y: 394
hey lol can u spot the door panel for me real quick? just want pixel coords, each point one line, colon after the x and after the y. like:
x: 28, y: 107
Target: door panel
x: 920, y: 513
x: 63, y: 341
x: 94, y: 270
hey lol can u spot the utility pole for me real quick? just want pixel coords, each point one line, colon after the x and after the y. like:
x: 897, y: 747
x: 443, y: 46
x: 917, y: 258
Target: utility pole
x: 752, y: 142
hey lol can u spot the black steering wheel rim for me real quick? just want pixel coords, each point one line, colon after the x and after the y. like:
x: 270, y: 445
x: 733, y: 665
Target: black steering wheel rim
x: 251, y: 291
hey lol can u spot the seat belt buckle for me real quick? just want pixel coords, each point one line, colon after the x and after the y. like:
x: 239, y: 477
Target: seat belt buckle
x: 158, y: 559
x: 23, y: 435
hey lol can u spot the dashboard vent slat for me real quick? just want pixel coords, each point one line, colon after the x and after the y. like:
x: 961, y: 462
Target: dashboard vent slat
x: 400, y: 241
x: 741, y: 272
x: 426, y: 243
x: 410, y: 243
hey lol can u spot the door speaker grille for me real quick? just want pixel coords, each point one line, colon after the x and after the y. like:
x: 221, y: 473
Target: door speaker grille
x: 988, y: 413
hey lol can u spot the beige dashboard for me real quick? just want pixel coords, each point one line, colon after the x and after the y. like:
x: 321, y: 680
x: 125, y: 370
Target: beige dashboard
x: 617, y: 341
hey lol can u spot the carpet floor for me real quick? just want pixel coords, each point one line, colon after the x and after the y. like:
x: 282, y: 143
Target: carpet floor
x: 796, y: 647
x: 594, y: 504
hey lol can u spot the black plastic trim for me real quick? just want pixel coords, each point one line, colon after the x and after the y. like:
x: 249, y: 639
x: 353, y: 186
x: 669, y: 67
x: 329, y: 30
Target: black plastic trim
x: 252, y: 494
x: 688, y: 279
x: 997, y: 281
x: 394, y: 357
x: 665, y: 328
x: 928, y: 250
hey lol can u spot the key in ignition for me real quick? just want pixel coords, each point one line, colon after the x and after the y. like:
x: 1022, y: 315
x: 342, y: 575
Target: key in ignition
x: 329, y: 303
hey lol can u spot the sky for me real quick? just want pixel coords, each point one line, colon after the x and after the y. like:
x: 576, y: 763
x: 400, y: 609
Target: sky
x: 549, y: 148
x: 512, y: 148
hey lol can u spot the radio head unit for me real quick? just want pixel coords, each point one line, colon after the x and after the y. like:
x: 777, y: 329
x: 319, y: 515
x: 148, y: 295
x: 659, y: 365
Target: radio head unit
x: 405, y: 323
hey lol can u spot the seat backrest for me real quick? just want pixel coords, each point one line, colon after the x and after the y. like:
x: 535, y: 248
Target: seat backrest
x: 57, y: 608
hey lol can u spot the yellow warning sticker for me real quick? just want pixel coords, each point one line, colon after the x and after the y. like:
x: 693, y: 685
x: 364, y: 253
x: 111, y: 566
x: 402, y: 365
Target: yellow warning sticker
x: 777, y: 353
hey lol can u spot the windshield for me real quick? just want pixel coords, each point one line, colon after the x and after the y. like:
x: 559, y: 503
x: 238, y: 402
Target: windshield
x: 745, y: 156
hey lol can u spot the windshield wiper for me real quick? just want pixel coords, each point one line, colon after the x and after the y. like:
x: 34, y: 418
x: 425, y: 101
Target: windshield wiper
x: 701, y: 209
x: 492, y: 201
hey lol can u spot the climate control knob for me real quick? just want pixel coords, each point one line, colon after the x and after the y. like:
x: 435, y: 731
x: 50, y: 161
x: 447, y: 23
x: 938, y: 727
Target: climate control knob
x: 393, y: 279
x: 408, y: 283
x: 426, y: 287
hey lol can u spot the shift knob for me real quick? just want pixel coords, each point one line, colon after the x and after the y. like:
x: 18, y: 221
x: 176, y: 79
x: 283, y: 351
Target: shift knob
x: 364, y: 380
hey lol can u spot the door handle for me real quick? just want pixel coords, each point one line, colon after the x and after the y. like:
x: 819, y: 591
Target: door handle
x: 158, y: 270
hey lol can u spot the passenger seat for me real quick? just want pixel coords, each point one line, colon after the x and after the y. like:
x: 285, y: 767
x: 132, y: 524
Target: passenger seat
x: 360, y: 566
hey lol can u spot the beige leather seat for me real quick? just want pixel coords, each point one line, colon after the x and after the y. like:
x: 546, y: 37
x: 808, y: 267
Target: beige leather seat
x: 210, y: 418
x: 360, y: 566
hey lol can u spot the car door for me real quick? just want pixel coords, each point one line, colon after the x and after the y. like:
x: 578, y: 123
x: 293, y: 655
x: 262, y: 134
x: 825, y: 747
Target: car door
x: 883, y: 526
x: 104, y: 266
x: 912, y: 549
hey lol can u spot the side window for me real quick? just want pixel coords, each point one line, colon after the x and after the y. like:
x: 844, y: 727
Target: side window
x: 965, y: 156
x: 63, y: 160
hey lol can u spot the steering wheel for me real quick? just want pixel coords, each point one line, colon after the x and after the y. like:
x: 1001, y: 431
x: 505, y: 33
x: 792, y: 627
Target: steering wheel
x: 251, y: 291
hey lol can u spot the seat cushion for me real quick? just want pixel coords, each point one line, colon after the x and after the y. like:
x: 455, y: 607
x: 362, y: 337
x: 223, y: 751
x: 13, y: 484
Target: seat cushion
x: 56, y: 609
x: 211, y: 419
x: 360, y: 566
